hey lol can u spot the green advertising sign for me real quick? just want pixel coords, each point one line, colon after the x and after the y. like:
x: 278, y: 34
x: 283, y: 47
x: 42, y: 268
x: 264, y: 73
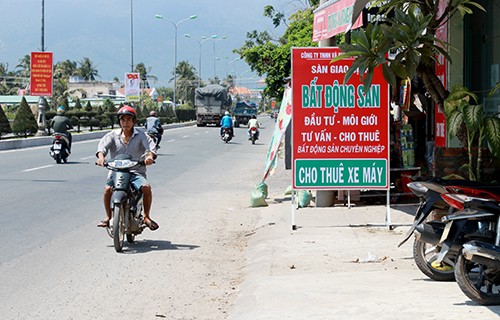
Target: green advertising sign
x: 341, y: 173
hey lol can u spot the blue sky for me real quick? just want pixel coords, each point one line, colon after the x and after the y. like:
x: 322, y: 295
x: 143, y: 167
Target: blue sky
x: 100, y: 30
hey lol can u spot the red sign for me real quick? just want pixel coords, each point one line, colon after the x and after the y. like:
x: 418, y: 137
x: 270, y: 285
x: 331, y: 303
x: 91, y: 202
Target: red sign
x: 334, y: 19
x: 441, y: 69
x: 340, y: 133
x: 41, y: 82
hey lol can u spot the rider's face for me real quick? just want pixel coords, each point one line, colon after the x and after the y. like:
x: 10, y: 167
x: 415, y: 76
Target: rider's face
x: 127, y: 122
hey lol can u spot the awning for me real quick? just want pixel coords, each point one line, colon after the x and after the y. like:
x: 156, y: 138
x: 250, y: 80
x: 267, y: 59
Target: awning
x: 335, y: 17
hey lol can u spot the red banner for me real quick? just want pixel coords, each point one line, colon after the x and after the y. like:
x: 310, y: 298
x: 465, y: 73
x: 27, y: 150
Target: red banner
x: 441, y: 70
x: 41, y: 82
x: 334, y: 19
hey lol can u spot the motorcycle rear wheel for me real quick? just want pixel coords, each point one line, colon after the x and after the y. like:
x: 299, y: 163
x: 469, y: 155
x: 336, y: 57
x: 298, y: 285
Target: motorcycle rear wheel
x: 424, y: 259
x: 58, y: 158
x: 475, y: 283
x: 118, y: 227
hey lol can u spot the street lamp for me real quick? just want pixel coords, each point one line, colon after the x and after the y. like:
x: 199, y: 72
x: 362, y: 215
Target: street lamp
x: 175, y: 24
x: 199, y: 62
x: 213, y: 39
x: 234, y: 67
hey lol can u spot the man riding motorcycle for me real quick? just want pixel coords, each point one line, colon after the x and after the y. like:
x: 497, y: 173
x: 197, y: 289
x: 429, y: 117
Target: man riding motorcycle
x: 154, y: 127
x: 226, y: 122
x: 135, y: 143
x: 253, y: 123
x: 60, y: 123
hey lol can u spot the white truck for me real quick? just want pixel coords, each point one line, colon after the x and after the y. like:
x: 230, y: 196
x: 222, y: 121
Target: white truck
x: 211, y: 103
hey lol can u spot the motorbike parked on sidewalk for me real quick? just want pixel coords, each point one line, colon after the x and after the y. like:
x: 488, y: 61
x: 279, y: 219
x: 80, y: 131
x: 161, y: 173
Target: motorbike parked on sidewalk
x: 477, y: 268
x: 446, y: 236
x: 226, y: 135
x: 127, y: 219
x: 59, y: 150
x: 428, y: 227
x: 254, y: 134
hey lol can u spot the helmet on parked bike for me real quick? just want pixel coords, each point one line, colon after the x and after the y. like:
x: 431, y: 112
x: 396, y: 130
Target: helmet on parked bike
x: 153, y: 113
x: 127, y: 110
x: 60, y: 109
x: 226, y: 113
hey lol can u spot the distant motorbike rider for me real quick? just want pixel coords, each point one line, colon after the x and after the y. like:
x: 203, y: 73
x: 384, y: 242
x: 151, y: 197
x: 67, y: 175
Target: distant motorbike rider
x: 253, y: 123
x: 226, y: 122
x: 60, y: 123
x: 154, y: 127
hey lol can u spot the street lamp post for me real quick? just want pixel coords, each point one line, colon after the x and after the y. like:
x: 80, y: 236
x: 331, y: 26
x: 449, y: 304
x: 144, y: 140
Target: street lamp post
x: 213, y: 39
x: 199, y: 61
x: 175, y: 24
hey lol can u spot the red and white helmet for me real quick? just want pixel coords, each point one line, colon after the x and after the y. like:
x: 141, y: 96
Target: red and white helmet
x: 127, y: 110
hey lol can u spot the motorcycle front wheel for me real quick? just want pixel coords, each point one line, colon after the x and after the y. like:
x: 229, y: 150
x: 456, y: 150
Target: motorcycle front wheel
x: 424, y: 255
x: 118, y: 227
x: 477, y: 282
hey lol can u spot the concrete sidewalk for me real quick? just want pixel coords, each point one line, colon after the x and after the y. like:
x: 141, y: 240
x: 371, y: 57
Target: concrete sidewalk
x: 341, y: 263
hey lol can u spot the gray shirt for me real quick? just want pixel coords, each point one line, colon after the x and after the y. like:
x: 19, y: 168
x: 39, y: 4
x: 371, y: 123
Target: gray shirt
x: 140, y: 143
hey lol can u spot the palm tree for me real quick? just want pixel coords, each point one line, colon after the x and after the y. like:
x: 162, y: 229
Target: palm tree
x: 144, y: 74
x: 87, y: 70
x: 25, y: 66
x: 65, y: 69
x: 186, y: 77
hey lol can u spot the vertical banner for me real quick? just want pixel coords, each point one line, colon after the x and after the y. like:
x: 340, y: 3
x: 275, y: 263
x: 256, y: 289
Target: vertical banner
x: 132, y: 87
x: 340, y: 133
x: 41, y: 81
x: 282, y: 121
x: 441, y: 71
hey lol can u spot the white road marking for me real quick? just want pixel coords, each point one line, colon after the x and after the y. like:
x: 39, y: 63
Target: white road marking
x: 86, y: 158
x: 38, y: 168
x: 186, y: 136
x: 171, y: 140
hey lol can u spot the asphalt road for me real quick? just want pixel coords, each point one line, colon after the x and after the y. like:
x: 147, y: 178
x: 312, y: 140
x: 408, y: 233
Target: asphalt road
x: 56, y: 264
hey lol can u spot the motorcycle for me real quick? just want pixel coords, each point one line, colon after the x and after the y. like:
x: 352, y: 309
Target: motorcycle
x: 427, y: 225
x: 226, y: 135
x: 477, y: 269
x: 254, y: 134
x: 127, y: 218
x: 446, y: 236
x: 59, y: 150
x: 155, y: 138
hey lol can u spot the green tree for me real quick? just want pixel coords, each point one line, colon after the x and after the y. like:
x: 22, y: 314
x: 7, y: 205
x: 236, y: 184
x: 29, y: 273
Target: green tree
x: 145, y: 75
x: 78, y: 104
x: 88, y: 106
x: 407, y: 27
x: 108, y: 105
x: 272, y: 57
x: 186, y: 79
x: 462, y: 110
x: 87, y: 70
x: 24, y: 121
x: 4, y: 123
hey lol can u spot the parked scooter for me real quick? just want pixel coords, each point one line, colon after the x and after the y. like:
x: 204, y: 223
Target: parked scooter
x: 428, y: 227
x: 445, y: 237
x: 477, y: 269
x: 59, y: 150
x: 226, y: 135
x: 254, y: 134
x: 127, y: 218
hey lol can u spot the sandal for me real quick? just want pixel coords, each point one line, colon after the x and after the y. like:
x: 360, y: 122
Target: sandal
x: 152, y: 225
x: 103, y: 224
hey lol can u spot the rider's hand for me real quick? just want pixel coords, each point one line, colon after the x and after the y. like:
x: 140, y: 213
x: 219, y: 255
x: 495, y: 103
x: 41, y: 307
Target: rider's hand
x: 100, y: 160
x: 149, y: 160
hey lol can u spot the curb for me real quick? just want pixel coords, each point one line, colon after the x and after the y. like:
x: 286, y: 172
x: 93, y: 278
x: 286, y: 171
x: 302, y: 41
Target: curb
x: 47, y: 140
